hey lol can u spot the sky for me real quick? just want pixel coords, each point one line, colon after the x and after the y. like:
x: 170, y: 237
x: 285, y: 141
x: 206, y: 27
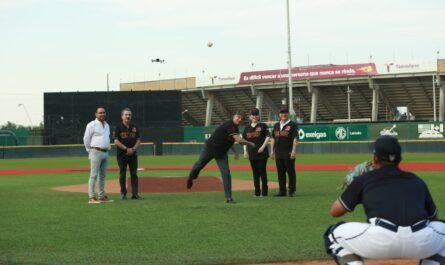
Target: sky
x: 71, y: 45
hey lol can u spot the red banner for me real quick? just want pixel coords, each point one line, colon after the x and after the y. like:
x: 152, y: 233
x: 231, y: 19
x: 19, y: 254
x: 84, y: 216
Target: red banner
x: 310, y: 72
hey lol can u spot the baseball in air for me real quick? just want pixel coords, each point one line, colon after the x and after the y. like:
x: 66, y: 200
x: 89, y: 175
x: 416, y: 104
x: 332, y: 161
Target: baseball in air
x: 209, y: 44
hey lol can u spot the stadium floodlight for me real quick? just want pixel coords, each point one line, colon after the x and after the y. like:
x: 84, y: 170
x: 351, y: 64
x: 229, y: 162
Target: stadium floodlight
x: 26, y: 112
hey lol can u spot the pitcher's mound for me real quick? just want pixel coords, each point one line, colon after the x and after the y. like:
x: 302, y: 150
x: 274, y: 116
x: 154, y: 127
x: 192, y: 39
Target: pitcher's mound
x: 178, y: 184
x: 168, y: 184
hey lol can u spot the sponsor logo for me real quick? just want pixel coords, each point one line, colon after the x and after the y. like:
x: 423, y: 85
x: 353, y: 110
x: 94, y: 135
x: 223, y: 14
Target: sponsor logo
x: 340, y: 133
x: 316, y: 135
x: 389, y: 131
x: 430, y: 131
x: 301, y: 134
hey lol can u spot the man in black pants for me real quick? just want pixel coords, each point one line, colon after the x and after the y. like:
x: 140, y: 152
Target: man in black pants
x: 127, y: 141
x: 216, y: 147
x: 283, y: 149
x: 257, y: 133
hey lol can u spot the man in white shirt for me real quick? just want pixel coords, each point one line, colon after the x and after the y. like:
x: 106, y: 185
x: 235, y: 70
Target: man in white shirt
x: 97, y: 144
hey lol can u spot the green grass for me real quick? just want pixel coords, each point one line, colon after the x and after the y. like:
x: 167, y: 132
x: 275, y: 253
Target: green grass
x: 41, y: 226
x: 190, y: 159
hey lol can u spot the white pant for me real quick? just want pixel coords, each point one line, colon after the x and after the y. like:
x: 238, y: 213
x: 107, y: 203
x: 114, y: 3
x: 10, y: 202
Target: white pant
x: 98, y: 167
x: 370, y: 241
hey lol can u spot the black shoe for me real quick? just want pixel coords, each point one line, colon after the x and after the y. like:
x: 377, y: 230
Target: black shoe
x: 230, y: 200
x: 189, y: 183
x: 136, y: 197
x: 123, y: 196
x: 291, y: 194
x: 280, y: 195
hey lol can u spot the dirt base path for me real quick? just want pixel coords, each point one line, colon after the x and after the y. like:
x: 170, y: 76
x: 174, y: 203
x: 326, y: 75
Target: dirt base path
x: 299, y: 167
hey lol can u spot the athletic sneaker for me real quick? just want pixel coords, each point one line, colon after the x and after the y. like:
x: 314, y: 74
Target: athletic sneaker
x: 105, y: 199
x: 93, y: 200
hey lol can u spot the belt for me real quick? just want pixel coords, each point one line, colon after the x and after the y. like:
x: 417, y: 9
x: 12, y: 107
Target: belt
x: 392, y: 227
x: 100, y: 149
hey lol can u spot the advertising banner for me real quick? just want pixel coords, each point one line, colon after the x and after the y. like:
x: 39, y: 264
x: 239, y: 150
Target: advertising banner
x: 313, y: 133
x: 310, y: 72
x: 346, y: 132
x: 349, y: 132
x: 430, y: 131
x: 399, y: 130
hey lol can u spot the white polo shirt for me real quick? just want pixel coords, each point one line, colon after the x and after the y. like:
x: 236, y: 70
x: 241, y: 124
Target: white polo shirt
x: 97, y: 134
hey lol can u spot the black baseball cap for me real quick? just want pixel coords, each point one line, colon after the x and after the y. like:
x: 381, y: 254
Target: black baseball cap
x: 255, y: 112
x: 387, y: 148
x: 284, y: 110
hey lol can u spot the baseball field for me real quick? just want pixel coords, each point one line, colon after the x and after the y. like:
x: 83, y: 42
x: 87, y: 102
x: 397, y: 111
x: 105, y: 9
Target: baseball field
x: 40, y: 225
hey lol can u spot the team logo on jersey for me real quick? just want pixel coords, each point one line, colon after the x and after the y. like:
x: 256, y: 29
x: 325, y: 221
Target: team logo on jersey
x: 258, y: 129
x: 134, y: 129
x: 287, y: 128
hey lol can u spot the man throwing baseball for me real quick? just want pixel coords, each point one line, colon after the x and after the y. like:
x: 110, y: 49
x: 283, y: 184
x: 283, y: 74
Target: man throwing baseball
x: 216, y: 147
x: 402, y: 216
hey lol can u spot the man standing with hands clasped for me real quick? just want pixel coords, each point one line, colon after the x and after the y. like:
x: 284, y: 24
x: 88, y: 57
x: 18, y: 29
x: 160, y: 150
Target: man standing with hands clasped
x: 283, y: 149
x: 97, y: 143
x: 127, y: 140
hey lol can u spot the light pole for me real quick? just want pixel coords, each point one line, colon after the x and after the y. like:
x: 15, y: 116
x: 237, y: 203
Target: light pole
x: 349, y: 104
x: 438, y: 83
x: 388, y: 65
x: 434, y: 98
x: 27, y: 114
x: 289, y: 62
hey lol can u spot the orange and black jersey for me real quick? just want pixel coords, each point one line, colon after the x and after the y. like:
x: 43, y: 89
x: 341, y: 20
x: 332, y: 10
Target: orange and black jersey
x: 284, y: 139
x: 257, y: 135
x: 222, y: 138
x: 127, y: 136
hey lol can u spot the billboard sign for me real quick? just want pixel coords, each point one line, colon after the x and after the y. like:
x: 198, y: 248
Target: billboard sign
x: 430, y: 131
x: 310, y: 72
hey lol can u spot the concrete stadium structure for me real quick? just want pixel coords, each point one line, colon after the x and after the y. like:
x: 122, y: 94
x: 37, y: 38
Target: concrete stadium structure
x: 374, y: 98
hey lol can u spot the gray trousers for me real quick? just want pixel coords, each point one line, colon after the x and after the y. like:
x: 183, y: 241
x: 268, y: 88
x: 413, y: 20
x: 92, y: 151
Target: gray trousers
x: 98, y: 166
x: 223, y: 165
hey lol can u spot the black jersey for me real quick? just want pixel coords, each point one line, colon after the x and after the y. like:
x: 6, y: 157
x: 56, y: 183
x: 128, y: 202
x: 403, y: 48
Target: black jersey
x: 392, y: 194
x: 222, y: 138
x: 284, y: 139
x: 257, y: 135
x: 127, y: 136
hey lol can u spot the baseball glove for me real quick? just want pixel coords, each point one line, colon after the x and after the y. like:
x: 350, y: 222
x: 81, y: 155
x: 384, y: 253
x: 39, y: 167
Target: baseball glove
x: 355, y: 172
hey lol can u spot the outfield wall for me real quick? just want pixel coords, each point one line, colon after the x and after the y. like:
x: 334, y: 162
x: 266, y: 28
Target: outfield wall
x: 326, y: 147
x: 351, y: 147
x: 346, y: 132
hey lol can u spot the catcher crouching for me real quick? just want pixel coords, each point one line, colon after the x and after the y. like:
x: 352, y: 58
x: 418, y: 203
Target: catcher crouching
x: 402, y: 217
